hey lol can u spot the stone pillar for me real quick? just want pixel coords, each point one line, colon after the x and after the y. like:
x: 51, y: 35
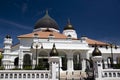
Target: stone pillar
x: 60, y: 60
x: 70, y: 66
x: 54, y: 67
x: 97, y: 62
x: 83, y: 64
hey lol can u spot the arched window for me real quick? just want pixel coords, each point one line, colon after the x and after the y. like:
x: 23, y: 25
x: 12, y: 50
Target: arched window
x: 26, y: 61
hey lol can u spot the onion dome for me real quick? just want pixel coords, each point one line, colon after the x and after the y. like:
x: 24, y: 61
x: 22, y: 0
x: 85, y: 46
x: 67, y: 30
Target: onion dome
x: 68, y: 26
x: 8, y: 36
x: 46, y: 22
x: 54, y: 51
x: 96, y: 52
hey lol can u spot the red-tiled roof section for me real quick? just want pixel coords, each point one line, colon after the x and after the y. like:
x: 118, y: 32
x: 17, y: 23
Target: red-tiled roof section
x: 93, y: 42
x: 44, y: 34
x: 1, y: 50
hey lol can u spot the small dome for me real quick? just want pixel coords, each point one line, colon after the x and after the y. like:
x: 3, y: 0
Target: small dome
x: 8, y: 36
x: 68, y: 26
x: 96, y: 52
x: 54, y: 51
x: 46, y: 22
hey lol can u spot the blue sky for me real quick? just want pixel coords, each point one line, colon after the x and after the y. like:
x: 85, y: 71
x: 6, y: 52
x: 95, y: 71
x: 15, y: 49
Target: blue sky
x: 97, y: 19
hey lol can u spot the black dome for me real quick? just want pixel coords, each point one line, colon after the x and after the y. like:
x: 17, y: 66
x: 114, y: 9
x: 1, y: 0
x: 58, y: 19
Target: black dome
x: 54, y: 51
x: 8, y: 36
x: 69, y: 26
x: 96, y: 52
x: 46, y: 22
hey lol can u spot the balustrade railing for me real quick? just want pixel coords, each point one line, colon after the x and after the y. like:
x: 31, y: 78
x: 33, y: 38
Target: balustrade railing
x: 24, y: 74
x: 113, y: 73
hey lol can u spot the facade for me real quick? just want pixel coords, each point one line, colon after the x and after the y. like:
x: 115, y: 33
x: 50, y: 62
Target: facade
x: 45, y: 54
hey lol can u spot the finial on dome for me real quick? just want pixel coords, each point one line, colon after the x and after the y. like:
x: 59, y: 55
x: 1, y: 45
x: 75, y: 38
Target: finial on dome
x: 8, y: 36
x: 69, y: 25
x: 47, y: 12
x: 68, y: 20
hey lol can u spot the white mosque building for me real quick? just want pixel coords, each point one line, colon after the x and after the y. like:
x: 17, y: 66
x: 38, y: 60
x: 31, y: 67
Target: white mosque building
x: 47, y: 54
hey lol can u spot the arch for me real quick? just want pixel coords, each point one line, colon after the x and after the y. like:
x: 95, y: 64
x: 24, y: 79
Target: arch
x: 16, y: 61
x: 43, y: 53
x: 77, y: 61
x: 26, y: 60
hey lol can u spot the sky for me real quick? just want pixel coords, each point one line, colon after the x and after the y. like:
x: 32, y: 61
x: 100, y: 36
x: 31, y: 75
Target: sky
x: 96, y: 19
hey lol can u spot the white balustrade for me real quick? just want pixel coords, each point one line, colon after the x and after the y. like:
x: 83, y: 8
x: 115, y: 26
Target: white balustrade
x: 24, y: 74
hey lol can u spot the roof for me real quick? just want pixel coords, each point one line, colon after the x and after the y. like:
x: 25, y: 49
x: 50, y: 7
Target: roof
x: 44, y: 34
x: 1, y: 50
x: 93, y: 42
x: 46, y: 22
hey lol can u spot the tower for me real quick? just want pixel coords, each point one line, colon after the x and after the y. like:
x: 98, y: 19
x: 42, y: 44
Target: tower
x: 69, y: 30
x: 7, y: 51
x: 97, y: 63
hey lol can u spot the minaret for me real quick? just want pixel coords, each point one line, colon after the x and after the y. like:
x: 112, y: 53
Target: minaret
x: 7, y: 44
x: 69, y: 30
x: 97, y: 63
x: 7, y: 51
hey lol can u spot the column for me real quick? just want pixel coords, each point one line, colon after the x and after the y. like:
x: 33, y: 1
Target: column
x: 60, y: 61
x: 54, y: 65
x: 83, y: 64
x: 70, y: 62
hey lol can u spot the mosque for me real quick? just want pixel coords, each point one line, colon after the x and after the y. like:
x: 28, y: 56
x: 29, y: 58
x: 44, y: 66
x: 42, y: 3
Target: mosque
x: 46, y: 51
